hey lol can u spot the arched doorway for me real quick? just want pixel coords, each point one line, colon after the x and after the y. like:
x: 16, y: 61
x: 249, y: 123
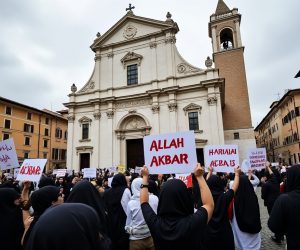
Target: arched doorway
x: 131, y: 130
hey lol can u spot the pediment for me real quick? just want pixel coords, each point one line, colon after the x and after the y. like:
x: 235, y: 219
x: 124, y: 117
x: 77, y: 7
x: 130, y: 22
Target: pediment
x: 85, y: 119
x: 131, y: 56
x: 131, y: 27
x: 192, y: 107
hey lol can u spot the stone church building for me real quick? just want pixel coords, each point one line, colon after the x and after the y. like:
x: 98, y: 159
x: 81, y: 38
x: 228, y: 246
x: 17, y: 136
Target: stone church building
x: 141, y: 85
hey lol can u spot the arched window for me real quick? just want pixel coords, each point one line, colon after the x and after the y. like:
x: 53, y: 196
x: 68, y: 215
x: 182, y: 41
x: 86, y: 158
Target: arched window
x: 226, y: 39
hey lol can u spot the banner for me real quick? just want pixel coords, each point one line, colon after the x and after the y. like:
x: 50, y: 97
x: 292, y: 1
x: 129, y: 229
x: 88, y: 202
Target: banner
x: 170, y: 153
x: 89, y: 172
x: 31, y: 170
x: 61, y: 172
x: 186, y: 178
x: 223, y: 158
x: 8, y: 155
x: 257, y: 158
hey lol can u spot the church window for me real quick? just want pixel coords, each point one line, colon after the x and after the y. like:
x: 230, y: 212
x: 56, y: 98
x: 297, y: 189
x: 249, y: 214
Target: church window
x: 236, y: 135
x: 132, y: 74
x: 85, y: 131
x: 226, y: 39
x: 193, y: 121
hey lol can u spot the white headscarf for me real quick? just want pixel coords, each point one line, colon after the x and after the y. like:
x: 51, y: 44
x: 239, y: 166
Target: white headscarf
x: 136, y: 187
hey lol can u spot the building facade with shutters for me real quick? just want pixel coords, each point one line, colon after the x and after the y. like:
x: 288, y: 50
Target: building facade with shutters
x: 36, y: 133
x: 279, y: 130
x: 141, y: 85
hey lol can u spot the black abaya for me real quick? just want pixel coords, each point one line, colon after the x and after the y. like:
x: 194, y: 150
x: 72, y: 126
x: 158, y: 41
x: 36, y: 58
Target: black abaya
x: 71, y: 226
x: 11, y: 221
x: 285, y: 215
x: 175, y: 226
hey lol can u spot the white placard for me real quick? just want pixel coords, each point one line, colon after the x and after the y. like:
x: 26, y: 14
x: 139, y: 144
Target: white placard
x: 223, y: 158
x: 8, y: 155
x: 31, y: 170
x: 257, y: 158
x: 137, y: 170
x: 16, y: 172
x: 245, y: 166
x: 61, y: 172
x: 170, y: 153
x: 186, y: 178
x: 112, y: 169
x: 89, y: 172
x: 109, y: 180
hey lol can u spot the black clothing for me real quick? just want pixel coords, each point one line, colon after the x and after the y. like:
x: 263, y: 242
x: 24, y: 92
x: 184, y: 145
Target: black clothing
x: 69, y: 226
x: 46, y: 181
x: 246, y: 207
x: 175, y: 226
x: 41, y: 199
x: 270, y: 192
x: 218, y: 234
x: 84, y: 192
x: 115, y: 213
x: 285, y: 215
x: 11, y: 221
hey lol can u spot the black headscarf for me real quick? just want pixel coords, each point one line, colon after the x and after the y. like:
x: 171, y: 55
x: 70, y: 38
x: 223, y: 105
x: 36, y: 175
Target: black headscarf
x: 216, y: 187
x: 246, y: 207
x: 153, y: 189
x: 40, y: 199
x: 67, y: 226
x: 293, y: 178
x: 11, y: 222
x: 46, y: 181
x: 84, y: 192
x: 175, y: 200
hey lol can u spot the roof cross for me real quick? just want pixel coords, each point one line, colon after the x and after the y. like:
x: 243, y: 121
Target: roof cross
x: 130, y: 7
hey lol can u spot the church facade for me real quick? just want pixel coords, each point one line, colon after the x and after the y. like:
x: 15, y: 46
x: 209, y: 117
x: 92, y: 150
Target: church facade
x: 141, y: 85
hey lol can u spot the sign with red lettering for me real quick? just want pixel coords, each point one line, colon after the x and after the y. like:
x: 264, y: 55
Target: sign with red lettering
x: 31, y: 170
x: 257, y: 158
x: 8, y: 155
x: 170, y: 153
x: 186, y: 178
x: 61, y: 172
x: 223, y: 158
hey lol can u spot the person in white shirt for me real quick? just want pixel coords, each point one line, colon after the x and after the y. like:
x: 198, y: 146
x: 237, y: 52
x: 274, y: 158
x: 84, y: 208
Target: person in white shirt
x: 139, y: 233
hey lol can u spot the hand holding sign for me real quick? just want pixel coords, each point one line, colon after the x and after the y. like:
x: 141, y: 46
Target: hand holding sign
x: 144, y: 171
x: 199, y: 171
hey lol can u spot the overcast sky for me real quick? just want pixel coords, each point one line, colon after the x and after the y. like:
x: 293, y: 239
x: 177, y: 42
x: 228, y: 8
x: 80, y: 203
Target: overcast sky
x: 44, y: 44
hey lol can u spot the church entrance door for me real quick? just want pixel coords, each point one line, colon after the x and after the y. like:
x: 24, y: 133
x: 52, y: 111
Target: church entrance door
x: 84, y: 161
x: 135, y: 153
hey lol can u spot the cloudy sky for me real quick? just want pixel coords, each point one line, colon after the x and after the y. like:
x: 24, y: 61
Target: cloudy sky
x: 44, y: 44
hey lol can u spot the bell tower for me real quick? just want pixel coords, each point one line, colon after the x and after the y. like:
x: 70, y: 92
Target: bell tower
x: 228, y: 56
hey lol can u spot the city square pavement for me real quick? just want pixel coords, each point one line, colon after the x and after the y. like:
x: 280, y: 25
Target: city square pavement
x: 266, y: 242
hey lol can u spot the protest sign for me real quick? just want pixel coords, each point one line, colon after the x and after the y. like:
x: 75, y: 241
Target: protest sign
x: 257, y: 158
x: 170, y: 153
x: 61, y: 172
x: 8, y: 155
x: 31, y: 170
x: 16, y: 172
x: 121, y: 169
x: 109, y: 180
x: 137, y: 170
x: 186, y: 178
x: 245, y: 166
x: 89, y: 172
x: 223, y: 158
x: 112, y: 169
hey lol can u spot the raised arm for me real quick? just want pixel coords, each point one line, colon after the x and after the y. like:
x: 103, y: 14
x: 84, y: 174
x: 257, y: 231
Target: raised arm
x: 236, y: 181
x: 144, y: 194
x: 206, y: 196
x: 210, y: 170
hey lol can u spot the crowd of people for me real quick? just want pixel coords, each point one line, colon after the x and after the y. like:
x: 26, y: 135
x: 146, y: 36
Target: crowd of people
x: 139, y: 211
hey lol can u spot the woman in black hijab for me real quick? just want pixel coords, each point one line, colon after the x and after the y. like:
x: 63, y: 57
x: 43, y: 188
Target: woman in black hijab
x: 116, y: 199
x: 11, y: 222
x: 71, y: 226
x: 40, y: 200
x: 84, y: 192
x: 246, y: 217
x: 218, y: 234
x: 176, y: 226
x: 285, y: 215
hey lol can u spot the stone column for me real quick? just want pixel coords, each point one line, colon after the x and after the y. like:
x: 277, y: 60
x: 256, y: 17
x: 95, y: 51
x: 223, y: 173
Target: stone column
x: 96, y: 137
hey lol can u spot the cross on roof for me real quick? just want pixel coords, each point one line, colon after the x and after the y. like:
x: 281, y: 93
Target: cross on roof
x: 130, y: 7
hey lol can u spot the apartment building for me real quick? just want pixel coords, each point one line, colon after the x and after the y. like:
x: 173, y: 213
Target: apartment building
x: 278, y: 132
x: 36, y: 133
